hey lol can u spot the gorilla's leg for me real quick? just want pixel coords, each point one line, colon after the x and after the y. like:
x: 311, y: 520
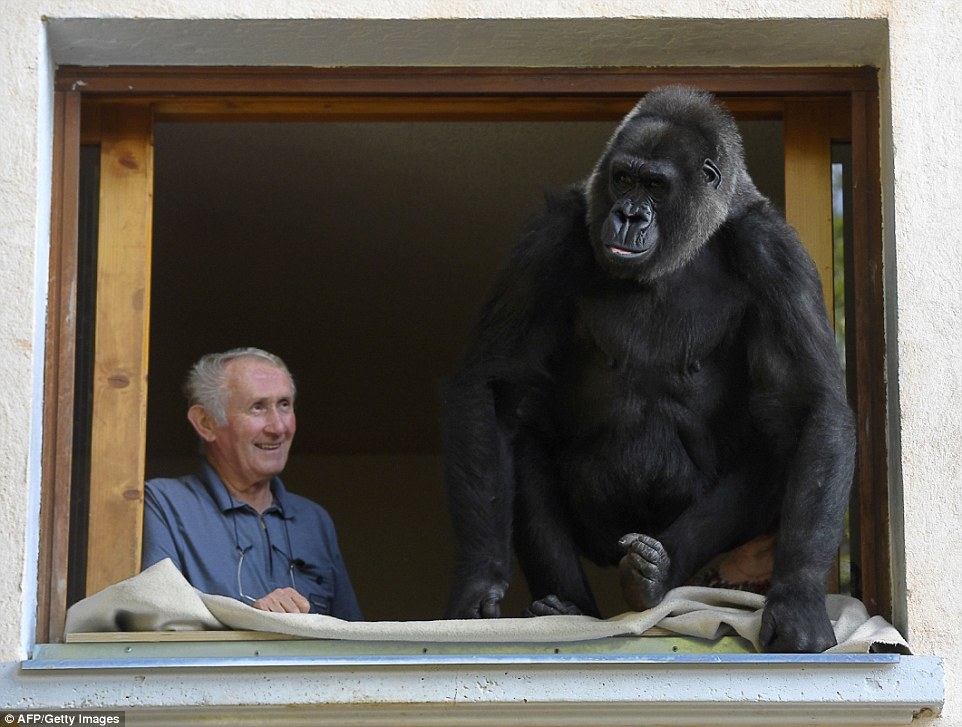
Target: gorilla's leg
x: 729, y: 514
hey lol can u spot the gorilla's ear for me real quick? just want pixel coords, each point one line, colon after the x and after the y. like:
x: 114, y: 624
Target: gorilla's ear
x: 712, y: 175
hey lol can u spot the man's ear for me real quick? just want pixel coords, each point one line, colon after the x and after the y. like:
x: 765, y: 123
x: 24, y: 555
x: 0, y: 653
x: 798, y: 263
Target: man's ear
x: 202, y: 422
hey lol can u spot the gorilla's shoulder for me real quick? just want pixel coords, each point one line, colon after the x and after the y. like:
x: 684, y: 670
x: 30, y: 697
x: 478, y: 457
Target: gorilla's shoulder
x: 765, y: 250
x: 559, y: 227
x: 550, y: 257
x: 570, y: 202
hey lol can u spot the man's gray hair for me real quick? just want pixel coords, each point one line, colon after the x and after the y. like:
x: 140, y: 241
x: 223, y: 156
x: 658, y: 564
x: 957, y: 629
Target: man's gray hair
x: 206, y: 383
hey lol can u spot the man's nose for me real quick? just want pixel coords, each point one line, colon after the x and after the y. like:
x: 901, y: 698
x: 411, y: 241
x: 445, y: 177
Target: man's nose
x: 277, y: 421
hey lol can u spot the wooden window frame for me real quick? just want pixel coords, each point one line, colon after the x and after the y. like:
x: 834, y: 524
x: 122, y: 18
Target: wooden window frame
x: 830, y: 104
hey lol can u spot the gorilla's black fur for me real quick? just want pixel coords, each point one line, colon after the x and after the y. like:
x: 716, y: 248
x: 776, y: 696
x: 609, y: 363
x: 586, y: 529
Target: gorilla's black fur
x: 652, y: 381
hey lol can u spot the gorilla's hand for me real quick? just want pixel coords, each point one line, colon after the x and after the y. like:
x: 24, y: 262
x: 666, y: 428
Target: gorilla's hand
x: 479, y: 598
x: 643, y: 571
x: 795, y: 622
x: 551, y: 606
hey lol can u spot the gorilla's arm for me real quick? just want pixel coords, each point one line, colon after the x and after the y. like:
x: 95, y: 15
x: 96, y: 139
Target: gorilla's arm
x: 478, y: 469
x: 517, y: 333
x: 543, y: 537
x: 799, y: 401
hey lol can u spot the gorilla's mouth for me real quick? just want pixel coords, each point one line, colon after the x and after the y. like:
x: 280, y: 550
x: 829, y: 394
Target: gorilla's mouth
x: 628, y: 236
x: 625, y: 252
x: 635, y: 246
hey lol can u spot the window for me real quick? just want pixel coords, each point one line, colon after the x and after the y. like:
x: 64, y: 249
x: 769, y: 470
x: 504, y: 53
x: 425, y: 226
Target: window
x: 811, y: 109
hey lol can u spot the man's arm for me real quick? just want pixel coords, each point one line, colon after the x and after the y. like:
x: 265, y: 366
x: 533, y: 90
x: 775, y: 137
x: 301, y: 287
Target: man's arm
x: 158, y: 541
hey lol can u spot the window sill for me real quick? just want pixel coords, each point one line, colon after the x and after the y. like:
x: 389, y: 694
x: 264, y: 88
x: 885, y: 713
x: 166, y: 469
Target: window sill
x: 601, y: 683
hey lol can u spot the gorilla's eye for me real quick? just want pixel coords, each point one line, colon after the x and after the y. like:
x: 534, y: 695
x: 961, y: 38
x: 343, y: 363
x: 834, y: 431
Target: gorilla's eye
x: 622, y: 179
x: 656, y: 186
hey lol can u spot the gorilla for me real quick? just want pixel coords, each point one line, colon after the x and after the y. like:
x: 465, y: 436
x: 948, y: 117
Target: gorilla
x: 651, y: 381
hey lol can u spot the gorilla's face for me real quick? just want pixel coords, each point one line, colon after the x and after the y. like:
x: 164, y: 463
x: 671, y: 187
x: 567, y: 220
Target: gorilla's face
x: 656, y: 197
x: 630, y: 230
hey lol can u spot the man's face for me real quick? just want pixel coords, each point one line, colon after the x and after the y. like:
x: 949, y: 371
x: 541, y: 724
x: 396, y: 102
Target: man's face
x: 253, y: 444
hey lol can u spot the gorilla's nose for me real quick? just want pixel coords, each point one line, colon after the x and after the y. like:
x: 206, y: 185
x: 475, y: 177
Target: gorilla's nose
x: 630, y: 211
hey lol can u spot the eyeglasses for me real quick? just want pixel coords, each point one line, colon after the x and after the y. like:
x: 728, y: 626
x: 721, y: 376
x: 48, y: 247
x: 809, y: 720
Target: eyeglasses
x: 240, y: 567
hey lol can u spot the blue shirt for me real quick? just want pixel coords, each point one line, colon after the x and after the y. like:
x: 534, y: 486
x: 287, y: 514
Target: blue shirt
x: 225, y: 547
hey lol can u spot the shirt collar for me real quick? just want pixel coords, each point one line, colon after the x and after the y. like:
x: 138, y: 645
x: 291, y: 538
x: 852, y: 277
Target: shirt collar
x: 225, y: 502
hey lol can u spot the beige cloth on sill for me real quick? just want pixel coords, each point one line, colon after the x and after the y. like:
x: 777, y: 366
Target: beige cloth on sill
x: 161, y: 599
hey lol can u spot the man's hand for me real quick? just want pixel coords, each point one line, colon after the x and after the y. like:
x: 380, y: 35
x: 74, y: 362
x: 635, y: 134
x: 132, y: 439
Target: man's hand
x: 283, y: 600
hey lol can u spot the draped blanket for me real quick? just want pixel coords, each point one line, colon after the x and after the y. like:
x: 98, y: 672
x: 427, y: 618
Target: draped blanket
x: 160, y: 599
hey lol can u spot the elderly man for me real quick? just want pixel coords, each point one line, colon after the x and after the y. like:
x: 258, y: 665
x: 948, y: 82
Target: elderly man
x: 231, y: 528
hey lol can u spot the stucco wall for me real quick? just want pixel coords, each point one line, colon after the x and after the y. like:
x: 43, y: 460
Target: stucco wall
x: 921, y: 107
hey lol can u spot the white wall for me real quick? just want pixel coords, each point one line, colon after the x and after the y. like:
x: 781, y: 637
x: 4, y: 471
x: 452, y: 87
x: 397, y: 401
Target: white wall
x: 922, y: 103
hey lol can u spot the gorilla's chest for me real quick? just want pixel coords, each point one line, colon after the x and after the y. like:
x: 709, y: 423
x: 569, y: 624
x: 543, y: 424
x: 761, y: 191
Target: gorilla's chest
x: 638, y: 351
x: 651, y: 396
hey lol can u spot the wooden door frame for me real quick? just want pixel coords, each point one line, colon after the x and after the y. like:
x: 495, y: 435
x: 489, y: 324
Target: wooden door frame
x: 89, y: 100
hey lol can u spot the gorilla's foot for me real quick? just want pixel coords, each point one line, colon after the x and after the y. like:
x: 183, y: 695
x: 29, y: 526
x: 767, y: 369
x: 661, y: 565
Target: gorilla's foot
x: 643, y: 571
x: 551, y: 606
